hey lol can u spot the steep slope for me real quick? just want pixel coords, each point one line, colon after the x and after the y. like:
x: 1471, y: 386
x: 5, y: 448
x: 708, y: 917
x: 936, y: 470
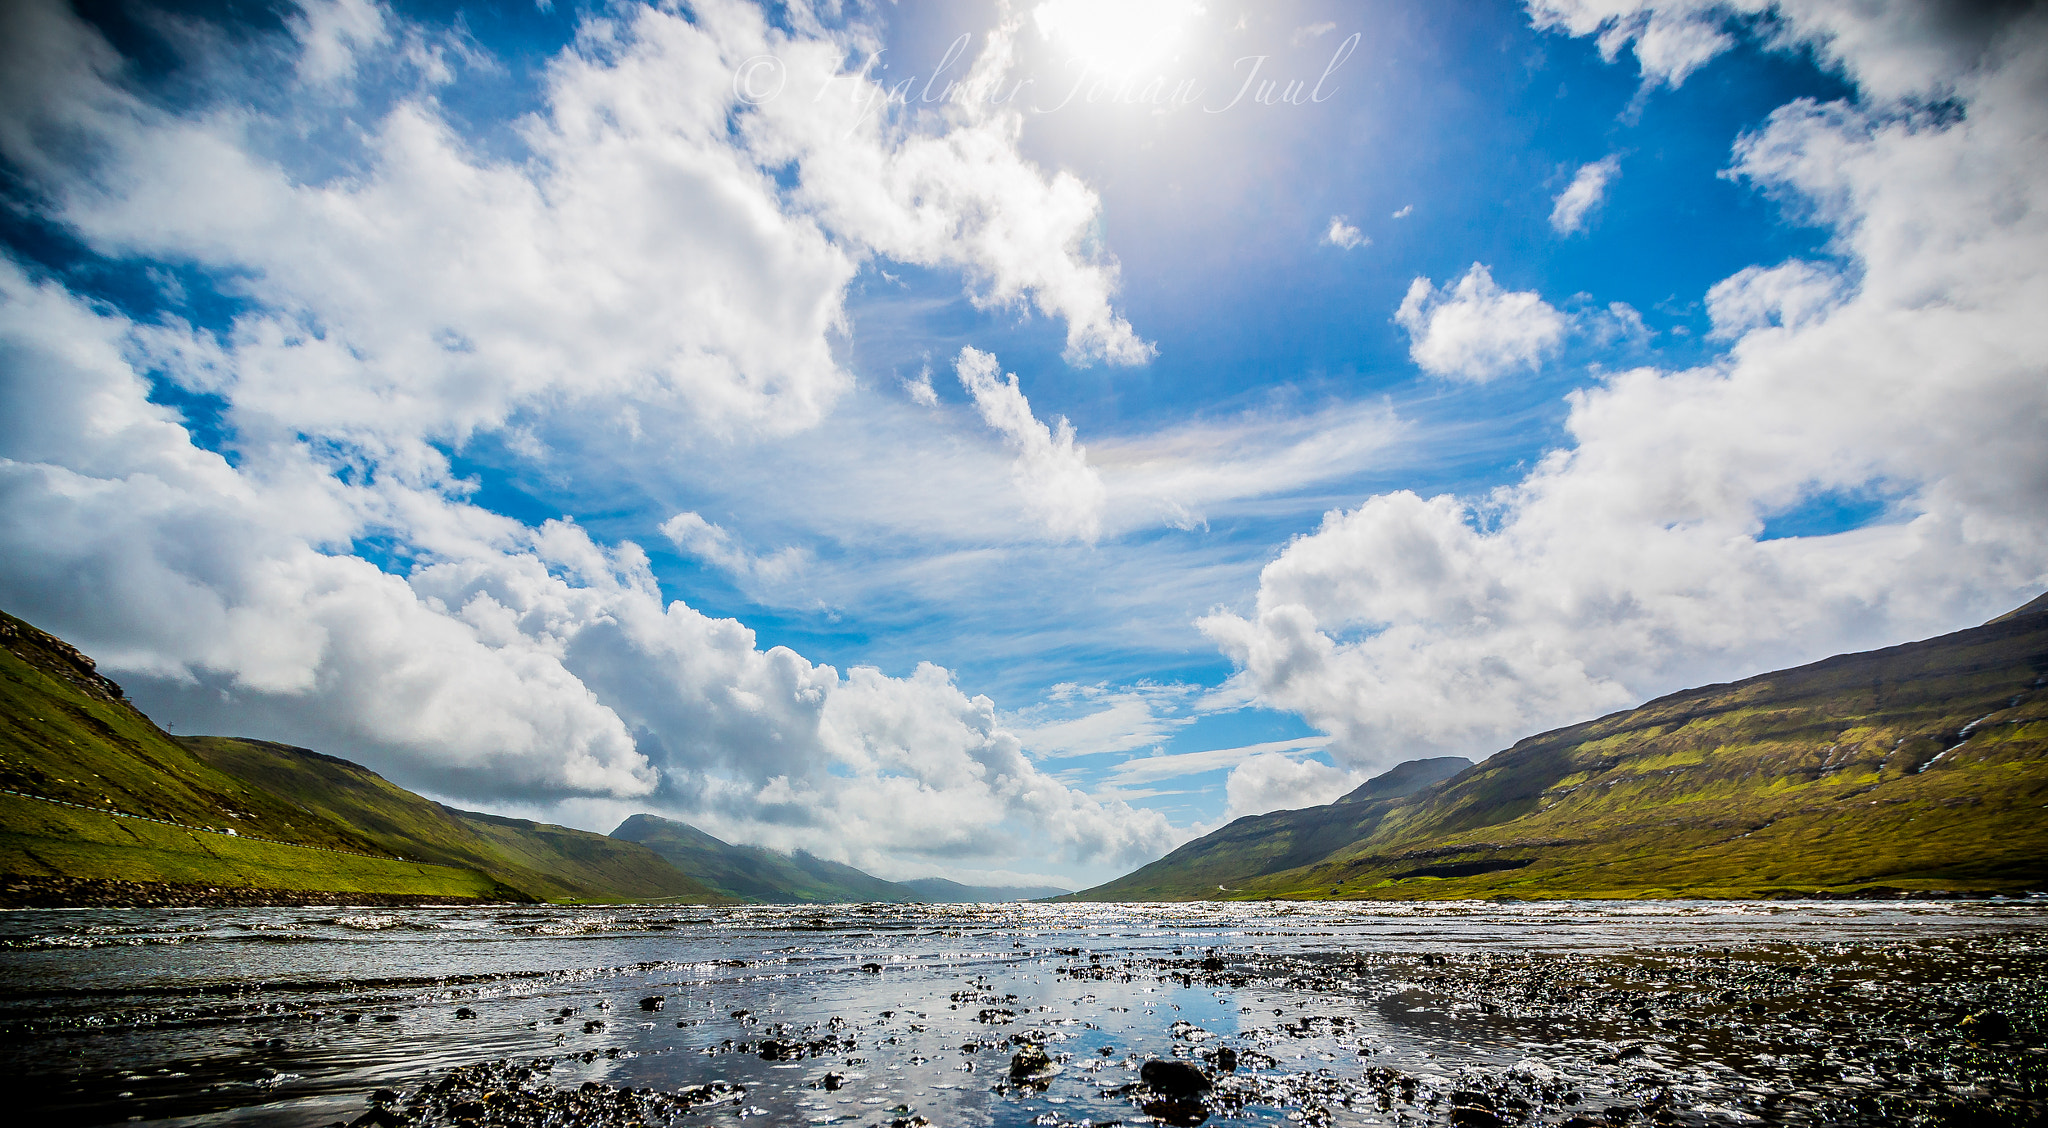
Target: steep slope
x: 1920, y: 767
x: 101, y: 802
x: 1213, y: 866
x: 754, y: 873
x: 552, y: 862
x: 939, y: 891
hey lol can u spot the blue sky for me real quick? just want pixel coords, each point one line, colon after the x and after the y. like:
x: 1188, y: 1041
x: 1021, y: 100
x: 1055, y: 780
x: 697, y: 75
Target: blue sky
x: 455, y: 388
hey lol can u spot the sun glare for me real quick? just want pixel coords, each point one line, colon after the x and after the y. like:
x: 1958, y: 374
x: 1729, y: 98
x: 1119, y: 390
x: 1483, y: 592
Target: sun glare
x: 1120, y: 37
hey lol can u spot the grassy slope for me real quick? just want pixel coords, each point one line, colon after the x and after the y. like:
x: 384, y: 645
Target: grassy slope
x: 756, y: 874
x: 553, y: 862
x: 66, y: 733
x: 1850, y: 773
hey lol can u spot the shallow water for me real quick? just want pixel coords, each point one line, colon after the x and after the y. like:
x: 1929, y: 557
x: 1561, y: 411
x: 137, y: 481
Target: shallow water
x: 1669, y: 1012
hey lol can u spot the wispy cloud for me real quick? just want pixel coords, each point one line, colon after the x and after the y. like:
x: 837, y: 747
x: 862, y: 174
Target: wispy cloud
x: 1587, y: 190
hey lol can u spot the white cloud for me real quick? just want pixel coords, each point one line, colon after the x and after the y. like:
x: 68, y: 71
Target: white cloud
x: 693, y: 535
x: 1076, y: 720
x: 1670, y: 40
x: 963, y: 196
x: 1627, y: 563
x: 1175, y: 765
x: 920, y: 389
x: 1344, y: 236
x: 1790, y: 294
x: 1051, y: 473
x: 1474, y: 330
x: 1406, y: 211
x: 1272, y: 782
x: 1585, y: 193
x: 331, y: 33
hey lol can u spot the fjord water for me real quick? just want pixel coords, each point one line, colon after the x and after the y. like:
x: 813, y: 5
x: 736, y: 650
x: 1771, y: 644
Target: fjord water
x: 293, y: 1016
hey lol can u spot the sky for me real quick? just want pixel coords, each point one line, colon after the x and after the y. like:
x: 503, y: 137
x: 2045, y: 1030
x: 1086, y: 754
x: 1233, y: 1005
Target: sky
x: 1004, y: 441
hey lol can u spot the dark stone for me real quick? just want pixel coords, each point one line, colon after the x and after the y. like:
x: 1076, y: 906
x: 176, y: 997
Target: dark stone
x: 1986, y: 1026
x: 774, y: 1049
x: 1174, y: 1078
x: 830, y: 1082
x: 385, y: 1018
x: 1030, y: 1062
x: 464, y: 1012
x: 1470, y: 1109
x: 1184, y: 1113
x: 652, y: 1003
x: 1226, y: 1060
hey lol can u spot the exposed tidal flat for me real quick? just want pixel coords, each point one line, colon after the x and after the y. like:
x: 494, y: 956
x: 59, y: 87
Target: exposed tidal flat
x: 1460, y: 1013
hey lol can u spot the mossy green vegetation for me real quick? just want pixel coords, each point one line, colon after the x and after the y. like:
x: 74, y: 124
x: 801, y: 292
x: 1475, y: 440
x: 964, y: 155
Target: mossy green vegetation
x: 555, y: 863
x: 301, y: 822
x: 1918, y: 768
x: 44, y: 839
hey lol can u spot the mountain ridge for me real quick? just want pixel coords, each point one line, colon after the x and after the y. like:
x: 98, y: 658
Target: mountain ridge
x: 1851, y: 773
x: 758, y: 873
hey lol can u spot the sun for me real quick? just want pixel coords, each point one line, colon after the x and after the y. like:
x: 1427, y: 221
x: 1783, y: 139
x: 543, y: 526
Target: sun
x: 1125, y: 38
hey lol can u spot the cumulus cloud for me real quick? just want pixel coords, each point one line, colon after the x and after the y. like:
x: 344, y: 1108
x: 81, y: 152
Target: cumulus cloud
x: 1270, y: 782
x: 1632, y: 560
x: 963, y: 196
x: 1474, y: 330
x: 639, y: 261
x: 1585, y: 193
x: 1344, y: 236
x: 1051, y: 473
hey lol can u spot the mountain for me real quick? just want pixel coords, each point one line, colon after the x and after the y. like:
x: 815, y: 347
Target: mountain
x: 554, y: 863
x: 99, y: 805
x: 1918, y: 768
x: 939, y: 891
x: 755, y: 873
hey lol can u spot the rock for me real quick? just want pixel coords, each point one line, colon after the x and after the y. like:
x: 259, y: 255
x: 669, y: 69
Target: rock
x: 1226, y: 1060
x: 830, y: 1082
x: 379, y: 1118
x: 652, y: 1003
x: 1030, y: 1063
x: 384, y: 1018
x: 593, y: 1026
x: 1986, y: 1026
x: 464, y: 1012
x: 1184, y: 1113
x: 1471, y: 1109
x: 1174, y: 1078
x: 774, y: 1049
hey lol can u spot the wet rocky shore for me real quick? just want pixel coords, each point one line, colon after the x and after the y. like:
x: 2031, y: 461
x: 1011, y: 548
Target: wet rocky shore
x: 904, y: 1018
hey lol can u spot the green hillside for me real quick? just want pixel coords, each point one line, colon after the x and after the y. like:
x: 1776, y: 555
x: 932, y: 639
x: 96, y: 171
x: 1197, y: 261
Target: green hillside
x: 555, y: 863
x: 1921, y: 767
x: 97, y: 794
x: 754, y: 873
